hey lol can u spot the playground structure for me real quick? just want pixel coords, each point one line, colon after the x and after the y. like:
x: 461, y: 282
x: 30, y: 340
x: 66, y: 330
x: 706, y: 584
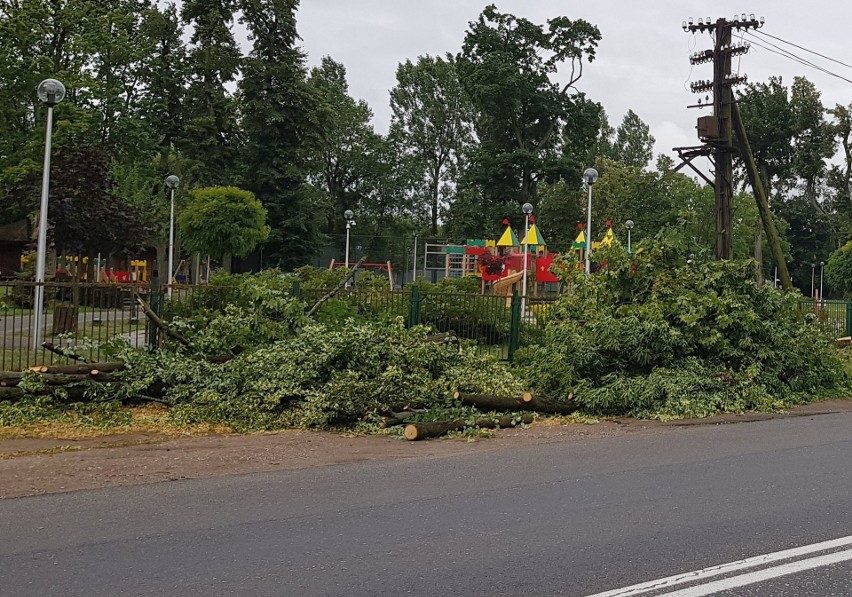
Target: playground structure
x: 383, y: 268
x: 500, y: 263
x: 74, y: 267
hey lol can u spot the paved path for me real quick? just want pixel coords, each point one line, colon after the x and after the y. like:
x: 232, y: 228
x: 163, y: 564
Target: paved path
x: 575, y: 518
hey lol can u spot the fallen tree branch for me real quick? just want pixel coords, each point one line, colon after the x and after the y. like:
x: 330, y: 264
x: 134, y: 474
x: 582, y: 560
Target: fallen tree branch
x: 157, y: 321
x: 337, y: 288
x: 394, y: 419
x: 418, y: 431
x: 75, y: 393
x: 88, y: 368
x: 62, y: 352
x: 525, y: 402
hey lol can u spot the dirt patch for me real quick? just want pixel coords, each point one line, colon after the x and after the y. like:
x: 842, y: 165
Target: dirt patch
x: 40, y: 465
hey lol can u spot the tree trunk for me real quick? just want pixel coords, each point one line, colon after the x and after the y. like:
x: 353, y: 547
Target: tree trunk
x: 11, y: 379
x: 226, y: 263
x: 435, y: 211
x: 524, y: 402
x: 162, y: 263
x: 196, y: 268
x: 761, y: 198
x: 416, y: 431
x: 93, y: 369
x: 758, y: 252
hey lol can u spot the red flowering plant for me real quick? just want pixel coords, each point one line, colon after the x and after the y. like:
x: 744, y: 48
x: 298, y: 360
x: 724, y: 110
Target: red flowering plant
x: 491, y: 265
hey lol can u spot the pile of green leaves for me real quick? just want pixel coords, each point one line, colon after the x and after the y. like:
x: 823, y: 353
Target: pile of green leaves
x: 317, y: 376
x: 659, y: 335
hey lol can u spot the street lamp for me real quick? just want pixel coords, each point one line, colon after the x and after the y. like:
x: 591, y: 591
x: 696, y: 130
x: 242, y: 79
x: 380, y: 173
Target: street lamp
x: 813, y: 279
x: 349, y: 223
x: 821, y: 268
x: 629, y: 225
x: 528, y: 209
x: 172, y: 182
x: 590, y: 177
x: 50, y: 92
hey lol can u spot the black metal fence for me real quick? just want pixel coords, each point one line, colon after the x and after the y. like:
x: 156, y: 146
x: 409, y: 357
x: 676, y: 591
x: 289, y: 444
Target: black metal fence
x: 76, y: 318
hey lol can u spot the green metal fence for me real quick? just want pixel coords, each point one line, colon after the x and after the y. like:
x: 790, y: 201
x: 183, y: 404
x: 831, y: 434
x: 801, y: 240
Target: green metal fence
x: 834, y: 316
x: 87, y: 315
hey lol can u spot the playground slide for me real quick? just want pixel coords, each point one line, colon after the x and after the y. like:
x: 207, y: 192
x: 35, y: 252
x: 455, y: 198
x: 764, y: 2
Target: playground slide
x: 503, y: 286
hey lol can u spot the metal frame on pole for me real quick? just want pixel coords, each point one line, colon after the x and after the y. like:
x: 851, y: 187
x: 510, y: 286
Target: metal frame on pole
x: 589, y: 233
x: 172, y: 183
x: 527, y: 211
x: 629, y: 225
x: 42, y: 234
x: 590, y: 177
x: 348, y: 215
x: 50, y: 92
x: 813, y: 279
x: 171, y: 244
x: 414, y: 264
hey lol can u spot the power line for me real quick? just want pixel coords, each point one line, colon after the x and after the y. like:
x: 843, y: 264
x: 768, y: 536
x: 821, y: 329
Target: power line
x: 789, y: 55
x: 805, y: 49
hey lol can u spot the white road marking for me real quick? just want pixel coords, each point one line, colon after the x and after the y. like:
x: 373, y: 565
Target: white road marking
x: 726, y: 584
x: 695, y: 575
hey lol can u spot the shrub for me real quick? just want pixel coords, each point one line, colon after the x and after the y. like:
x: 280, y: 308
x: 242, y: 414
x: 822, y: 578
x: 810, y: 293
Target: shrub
x: 658, y: 335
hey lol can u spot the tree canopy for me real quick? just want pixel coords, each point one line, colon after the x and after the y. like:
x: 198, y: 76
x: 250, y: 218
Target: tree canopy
x: 223, y: 221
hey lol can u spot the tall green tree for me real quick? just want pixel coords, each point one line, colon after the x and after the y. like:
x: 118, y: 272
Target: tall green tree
x: 521, y: 78
x: 633, y: 144
x: 432, y: 125
x: 211, y: 131
x: 768, y: 119
x: 839, y: 177
x: 813, y: 140
x: 282, y: 129
x: 345, y: 161
x: 163, y: 79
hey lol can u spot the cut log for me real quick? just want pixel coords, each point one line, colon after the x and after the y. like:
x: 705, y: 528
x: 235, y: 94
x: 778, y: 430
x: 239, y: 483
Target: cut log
x: 524, y: 402
x: 417, y: 431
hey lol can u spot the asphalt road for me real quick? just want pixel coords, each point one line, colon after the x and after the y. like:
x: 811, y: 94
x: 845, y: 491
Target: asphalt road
x: 574, y: 518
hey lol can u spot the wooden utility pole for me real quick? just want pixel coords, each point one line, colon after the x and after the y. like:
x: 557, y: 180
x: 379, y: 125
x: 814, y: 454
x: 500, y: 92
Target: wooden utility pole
x: 716, y: 131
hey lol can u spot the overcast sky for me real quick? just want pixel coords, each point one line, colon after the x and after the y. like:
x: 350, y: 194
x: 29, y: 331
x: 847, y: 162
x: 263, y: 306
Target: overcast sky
x: 642, y: 61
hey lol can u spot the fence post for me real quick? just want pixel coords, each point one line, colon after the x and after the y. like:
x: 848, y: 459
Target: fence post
x: 414, y: 307
x: 296, y: 290
x: 515, y: 325
x: 155, y: 300
x: 849, y: 318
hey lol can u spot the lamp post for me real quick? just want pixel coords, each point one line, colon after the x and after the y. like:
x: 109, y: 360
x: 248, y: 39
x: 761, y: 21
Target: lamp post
x: 821, y: 268
x: 172, y: 182
x: 590, y: 177
x: 629, y: 225
x: 528, y: 209
x: 349, y: 223
x: 813, y: 279
x: 50, y: 92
